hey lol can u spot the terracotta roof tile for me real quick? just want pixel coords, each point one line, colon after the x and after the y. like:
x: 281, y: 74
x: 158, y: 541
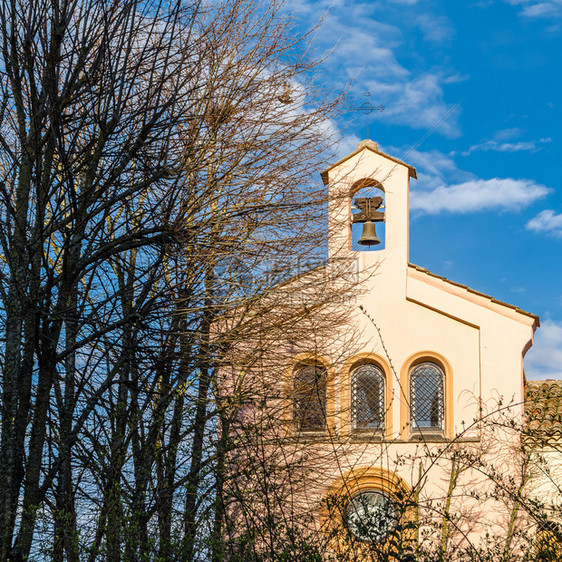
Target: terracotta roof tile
x: 543, y: 407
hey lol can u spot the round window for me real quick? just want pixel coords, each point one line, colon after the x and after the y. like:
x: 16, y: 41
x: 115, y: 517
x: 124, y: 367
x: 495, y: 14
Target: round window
x: 371, y: 516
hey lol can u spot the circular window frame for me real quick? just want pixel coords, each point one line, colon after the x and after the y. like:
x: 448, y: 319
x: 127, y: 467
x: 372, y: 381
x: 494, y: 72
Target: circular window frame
x: 393, y: 519
x: 357, y: 481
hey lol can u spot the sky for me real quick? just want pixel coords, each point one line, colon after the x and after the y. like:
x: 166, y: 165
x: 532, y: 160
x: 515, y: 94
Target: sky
x: 472, y: 92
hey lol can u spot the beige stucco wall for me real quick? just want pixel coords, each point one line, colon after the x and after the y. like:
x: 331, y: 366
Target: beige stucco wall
x: 480, y: 341
x: 483, y: 341
x: 399, y: 314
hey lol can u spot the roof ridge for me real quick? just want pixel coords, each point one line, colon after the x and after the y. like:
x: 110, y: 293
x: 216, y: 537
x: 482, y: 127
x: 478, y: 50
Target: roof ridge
x: 475, y: 292
x: 374, y: 147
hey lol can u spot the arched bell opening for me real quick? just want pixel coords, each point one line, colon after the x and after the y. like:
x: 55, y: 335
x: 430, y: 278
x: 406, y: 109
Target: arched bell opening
x: 367, y: 215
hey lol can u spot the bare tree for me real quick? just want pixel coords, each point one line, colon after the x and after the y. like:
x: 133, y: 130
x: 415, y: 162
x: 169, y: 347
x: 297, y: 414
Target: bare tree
x: 153, y: 155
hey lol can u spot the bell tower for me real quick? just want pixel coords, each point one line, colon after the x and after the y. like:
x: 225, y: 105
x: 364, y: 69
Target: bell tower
x: 352, y: 181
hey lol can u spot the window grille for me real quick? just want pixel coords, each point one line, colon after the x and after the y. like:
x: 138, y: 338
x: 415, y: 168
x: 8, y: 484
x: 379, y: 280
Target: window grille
x: 367, y: 397
x: 427, y: 396
x: 310, y: 384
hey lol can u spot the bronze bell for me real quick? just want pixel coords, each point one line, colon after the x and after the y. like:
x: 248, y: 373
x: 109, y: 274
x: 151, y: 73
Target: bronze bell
x: 369, y: 235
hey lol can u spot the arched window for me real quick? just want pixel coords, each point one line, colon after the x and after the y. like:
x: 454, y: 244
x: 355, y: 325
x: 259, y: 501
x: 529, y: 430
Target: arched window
x: 309, y: 398
x: 367, y: 397
x: 427, y: 397
x: 367, y: 218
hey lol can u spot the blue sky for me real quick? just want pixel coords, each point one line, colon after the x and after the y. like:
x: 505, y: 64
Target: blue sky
x: 473, y: 98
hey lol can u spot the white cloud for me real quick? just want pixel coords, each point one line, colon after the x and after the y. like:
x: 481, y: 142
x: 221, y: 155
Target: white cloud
x: 495, y: 194
x: 544, y: 359
x: 347, y: 144
x: 538, y: 8
x: 443, y: 187
x: 504, y: 140
x: 517, y: 289
x: 455, y: 78
x: 547, y: 221
x: 527, y: 146
x: 435, y: 29
x: 416, y: 102
x: 508, y: 134
x: 434, y: 168
x: 362, y: 50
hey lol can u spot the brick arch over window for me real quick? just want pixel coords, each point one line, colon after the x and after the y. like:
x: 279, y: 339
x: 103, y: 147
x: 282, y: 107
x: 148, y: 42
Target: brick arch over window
x: 425, y: 377
x: 353, y: 483
x: 349, y: 403
x: 309, y: 394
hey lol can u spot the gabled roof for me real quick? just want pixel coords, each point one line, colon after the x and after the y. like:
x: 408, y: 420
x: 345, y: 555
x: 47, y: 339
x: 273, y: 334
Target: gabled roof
x: 474, y: 292
x: 373, y: 147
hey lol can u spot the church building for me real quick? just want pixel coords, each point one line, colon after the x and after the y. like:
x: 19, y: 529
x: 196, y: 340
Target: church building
x: 406, y: 417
